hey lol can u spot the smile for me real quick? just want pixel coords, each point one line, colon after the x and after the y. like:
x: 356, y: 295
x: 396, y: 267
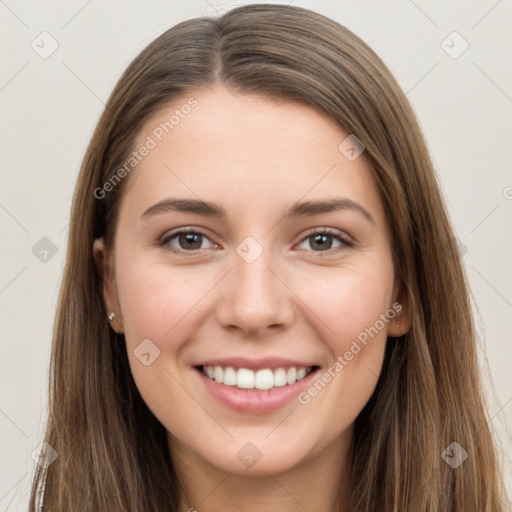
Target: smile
x: 263, y: 380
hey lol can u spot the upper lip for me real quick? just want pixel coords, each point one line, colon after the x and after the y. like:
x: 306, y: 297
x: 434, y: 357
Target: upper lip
x: 254, y: 364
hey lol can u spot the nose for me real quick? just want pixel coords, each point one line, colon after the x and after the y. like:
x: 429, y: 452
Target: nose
x: 254, y: 298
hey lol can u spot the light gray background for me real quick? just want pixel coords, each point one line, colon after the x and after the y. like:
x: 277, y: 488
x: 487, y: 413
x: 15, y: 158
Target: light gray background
x: 49, y: 108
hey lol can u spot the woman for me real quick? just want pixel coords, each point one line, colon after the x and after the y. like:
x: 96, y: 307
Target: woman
x: 313, y: 349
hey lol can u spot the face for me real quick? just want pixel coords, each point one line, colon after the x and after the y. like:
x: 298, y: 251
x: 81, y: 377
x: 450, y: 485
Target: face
x: 251, y: 251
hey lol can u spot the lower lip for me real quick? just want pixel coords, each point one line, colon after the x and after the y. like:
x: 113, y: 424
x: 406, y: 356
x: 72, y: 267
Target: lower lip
x: 255, y: 401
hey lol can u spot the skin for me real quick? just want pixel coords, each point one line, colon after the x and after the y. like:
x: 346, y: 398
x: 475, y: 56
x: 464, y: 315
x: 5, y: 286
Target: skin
x: 256, y: 157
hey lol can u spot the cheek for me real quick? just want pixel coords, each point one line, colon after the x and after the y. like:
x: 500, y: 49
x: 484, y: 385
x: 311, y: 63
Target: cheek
x: 354, y: 310
x: 157, y: 301
x: 349, y: 301
x: 159, y: 305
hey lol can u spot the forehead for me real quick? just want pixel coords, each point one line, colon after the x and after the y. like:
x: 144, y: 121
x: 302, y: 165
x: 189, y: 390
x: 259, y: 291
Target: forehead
x: 222, y: 145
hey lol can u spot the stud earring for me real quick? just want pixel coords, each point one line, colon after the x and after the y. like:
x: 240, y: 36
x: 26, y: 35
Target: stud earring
x: 114, y: 325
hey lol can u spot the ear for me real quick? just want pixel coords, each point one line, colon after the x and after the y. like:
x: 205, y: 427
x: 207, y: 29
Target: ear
x: 105, y: 270
x: 402, y: 321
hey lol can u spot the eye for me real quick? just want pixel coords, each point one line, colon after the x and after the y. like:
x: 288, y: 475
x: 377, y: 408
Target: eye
x: 190, y: 240
x: 187, y: 240
x: 322, y: 241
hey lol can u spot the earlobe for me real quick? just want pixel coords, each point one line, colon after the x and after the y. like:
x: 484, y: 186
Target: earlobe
x: 102, y: 260
x: 402, y: 320
x: 397, y: 328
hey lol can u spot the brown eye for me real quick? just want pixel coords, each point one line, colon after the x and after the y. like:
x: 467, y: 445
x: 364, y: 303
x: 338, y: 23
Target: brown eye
x: 322, y: 241
x: 185, y: 241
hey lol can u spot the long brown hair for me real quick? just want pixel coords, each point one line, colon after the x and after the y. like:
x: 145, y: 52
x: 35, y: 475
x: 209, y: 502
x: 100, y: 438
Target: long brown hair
x: 112, y: 452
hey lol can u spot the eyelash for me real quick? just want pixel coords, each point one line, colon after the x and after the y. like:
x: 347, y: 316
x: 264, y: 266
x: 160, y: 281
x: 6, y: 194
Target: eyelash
x: 345, y: 242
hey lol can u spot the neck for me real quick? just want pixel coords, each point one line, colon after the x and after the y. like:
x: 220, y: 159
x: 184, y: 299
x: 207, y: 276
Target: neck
x: 315, y: 485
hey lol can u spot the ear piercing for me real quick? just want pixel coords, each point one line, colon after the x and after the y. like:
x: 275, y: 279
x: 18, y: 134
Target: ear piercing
x: 113, y: 326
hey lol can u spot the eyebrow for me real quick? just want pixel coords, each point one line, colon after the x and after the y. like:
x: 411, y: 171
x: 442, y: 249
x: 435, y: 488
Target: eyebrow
x: 209, y: 209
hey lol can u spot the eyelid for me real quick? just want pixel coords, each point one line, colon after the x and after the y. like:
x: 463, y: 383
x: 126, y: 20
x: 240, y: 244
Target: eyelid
x: 344, y: 238
x: 328, y: 231
x: 164, y: 240
x: 347, y: 241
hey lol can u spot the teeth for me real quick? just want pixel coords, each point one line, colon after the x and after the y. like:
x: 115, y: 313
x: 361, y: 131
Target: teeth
x: 262, y: 379
x: 291, y: 375
x: 230, y: 378
x: 280, y: 377
x: 244, y: 378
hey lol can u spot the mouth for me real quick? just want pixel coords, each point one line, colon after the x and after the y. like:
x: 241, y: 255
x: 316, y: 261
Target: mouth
x: 260, y: 389
x: 259, y: 380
